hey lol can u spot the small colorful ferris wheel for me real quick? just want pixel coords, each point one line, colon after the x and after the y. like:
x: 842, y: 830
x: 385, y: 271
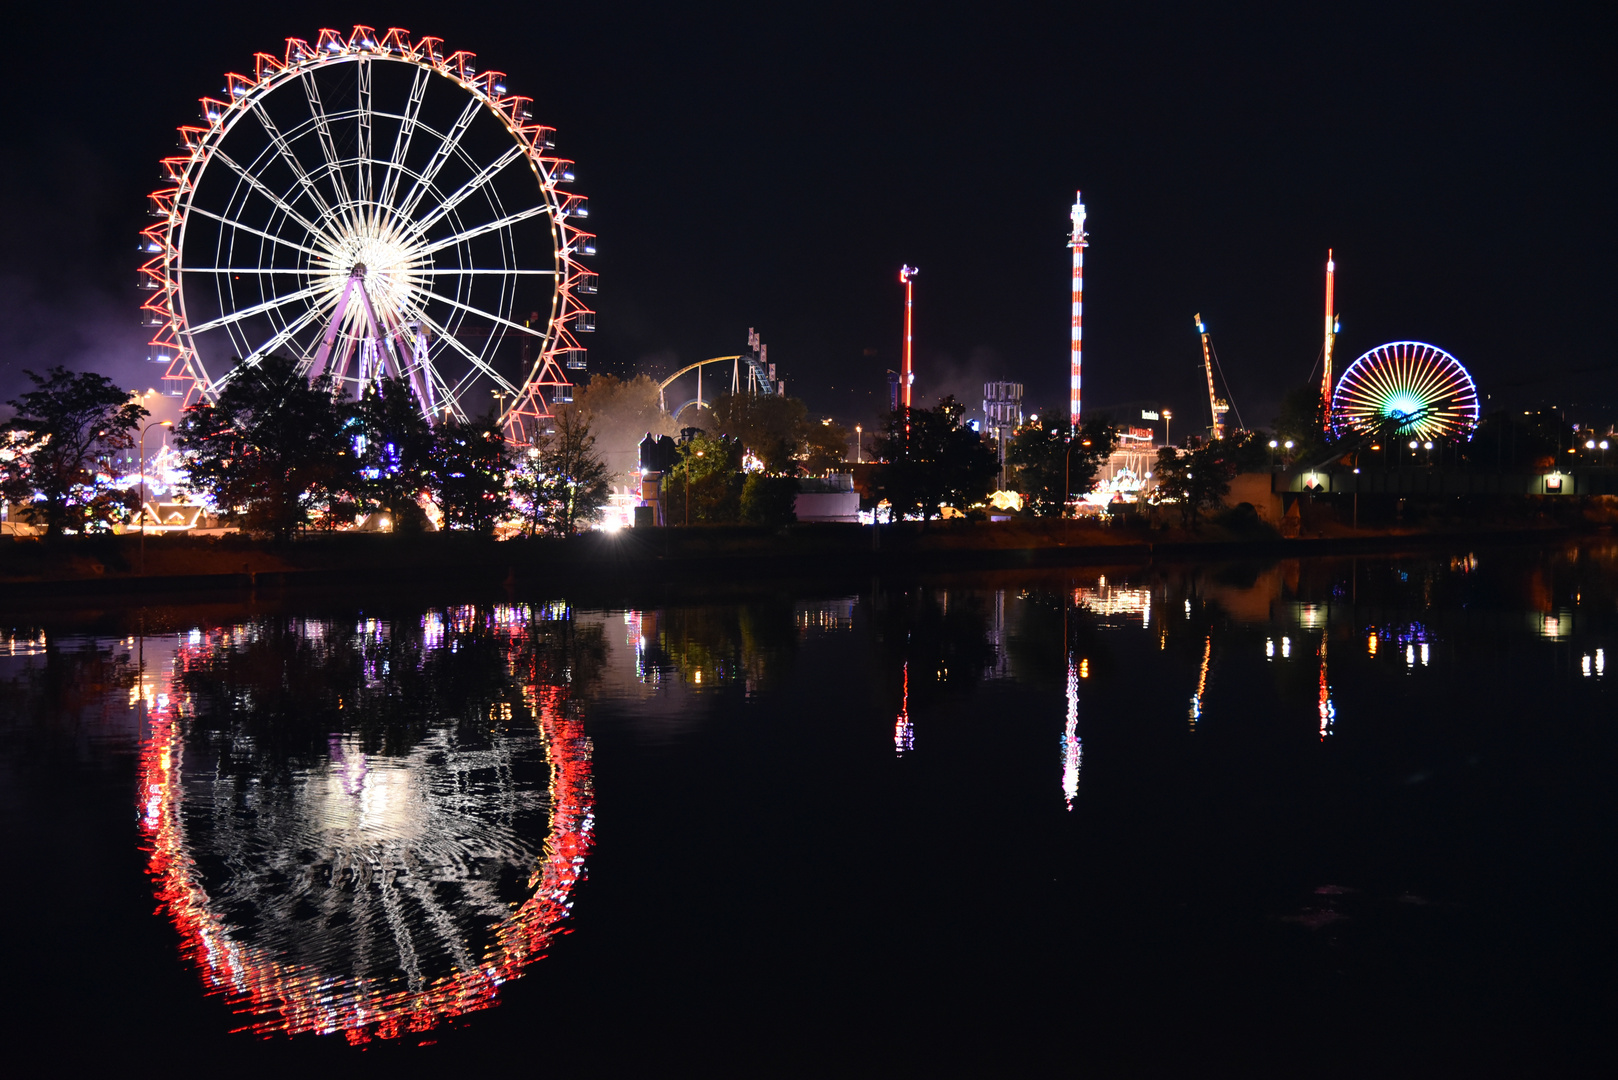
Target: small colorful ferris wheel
x: 1416, y: 389
x: 373, y: 205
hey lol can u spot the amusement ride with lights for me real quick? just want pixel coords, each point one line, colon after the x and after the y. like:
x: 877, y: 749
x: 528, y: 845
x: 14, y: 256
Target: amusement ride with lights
x: 1418, y: 389
x: 373, y: 205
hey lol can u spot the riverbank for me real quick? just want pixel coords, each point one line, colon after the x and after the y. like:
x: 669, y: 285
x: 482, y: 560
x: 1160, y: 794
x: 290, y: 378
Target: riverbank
x: 193, y: 564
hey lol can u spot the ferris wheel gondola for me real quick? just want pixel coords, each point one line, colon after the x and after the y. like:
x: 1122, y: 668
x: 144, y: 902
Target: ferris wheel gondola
x: 373, y: 205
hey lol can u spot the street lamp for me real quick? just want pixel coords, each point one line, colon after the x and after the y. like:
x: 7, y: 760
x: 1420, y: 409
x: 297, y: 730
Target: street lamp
x: 1273, y: 445
x: 1167, y: 416
x: 859, y: 443
x: 141, y: 518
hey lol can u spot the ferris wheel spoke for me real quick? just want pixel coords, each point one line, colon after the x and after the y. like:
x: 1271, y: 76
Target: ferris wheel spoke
x: 461, y: 194
x: 285, y: 150
x: 288, y: 332
x: 473, y: 358
x: 258, y: 185
x: 450, y: 395
x: 328, y: 148
x: 491, y: 316
x: 362, y: 153
x: 401, y: 141
x: 259, y: 270
x: 488, y: 227
x: 447, y: 146
x: 306, y: 293
x: 232, y: 223
x: 461, y: 271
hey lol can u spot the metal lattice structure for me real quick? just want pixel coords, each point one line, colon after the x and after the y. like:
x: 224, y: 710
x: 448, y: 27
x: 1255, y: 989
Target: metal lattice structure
x: 1418, y: 388
x: 369, y: 205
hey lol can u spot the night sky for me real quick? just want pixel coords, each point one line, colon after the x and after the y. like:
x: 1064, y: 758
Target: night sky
x: 772, y: 166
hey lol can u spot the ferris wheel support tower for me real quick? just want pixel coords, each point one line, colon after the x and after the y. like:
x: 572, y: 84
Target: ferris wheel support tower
x: 1078, y: 242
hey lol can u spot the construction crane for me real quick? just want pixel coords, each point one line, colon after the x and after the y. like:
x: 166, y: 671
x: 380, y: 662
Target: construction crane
x: 1218, y: 405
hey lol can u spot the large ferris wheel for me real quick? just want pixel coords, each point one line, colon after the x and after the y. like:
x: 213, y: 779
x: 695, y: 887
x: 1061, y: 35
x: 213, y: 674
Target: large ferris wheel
x: 373, y: 205
x: 1415, y: 388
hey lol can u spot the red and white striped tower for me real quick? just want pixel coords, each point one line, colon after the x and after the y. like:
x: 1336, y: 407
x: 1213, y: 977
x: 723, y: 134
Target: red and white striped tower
x: 1331, y: 338
x: 1078, y: 242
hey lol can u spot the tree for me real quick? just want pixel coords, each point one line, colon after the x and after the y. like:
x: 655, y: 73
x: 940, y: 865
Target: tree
x: 1303, y: 422
x: 60, y: 429
x: 1197, y: 479
x: 930, y: 460
x: 1051, y: 467
x: 825, y: 447
x: 769, y: 500
x: 771, y: 427
x: 271, y: 449
x: 710, y: 470
x: 562, y: 482
x: 393, y: 449
x: 469, y: 474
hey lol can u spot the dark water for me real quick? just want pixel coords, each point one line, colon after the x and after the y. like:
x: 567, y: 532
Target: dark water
x: 1342, y: 817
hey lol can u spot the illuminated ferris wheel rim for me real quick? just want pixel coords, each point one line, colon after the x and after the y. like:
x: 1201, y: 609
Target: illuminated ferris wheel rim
x: 1400, y: 379
x: 352, y: 240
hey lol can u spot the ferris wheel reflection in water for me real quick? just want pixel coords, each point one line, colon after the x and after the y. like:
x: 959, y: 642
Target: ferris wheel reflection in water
x: 368, y: 883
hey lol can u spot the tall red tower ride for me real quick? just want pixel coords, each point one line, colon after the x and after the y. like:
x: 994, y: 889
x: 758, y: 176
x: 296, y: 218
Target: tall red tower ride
x: 907, y: 278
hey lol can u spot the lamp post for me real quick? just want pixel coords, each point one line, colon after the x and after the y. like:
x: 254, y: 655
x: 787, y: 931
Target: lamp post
x: 1167, y: 416
x: 859, y: 443
x: 688, y: 489
x: 141, y: 518
x: 1273, y: 445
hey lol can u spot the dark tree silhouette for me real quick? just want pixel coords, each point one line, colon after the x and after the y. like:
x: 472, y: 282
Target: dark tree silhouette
x: 562, y: 483
x: 469, y: 474
x: 930, y: 460
x: 61, y: 428
x: 393, y: 451
x: 271, y: 449
x: 1051, y: 466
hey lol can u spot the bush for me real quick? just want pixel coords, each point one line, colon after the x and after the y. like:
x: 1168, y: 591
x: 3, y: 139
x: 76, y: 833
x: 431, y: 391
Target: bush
x: 769, y: 500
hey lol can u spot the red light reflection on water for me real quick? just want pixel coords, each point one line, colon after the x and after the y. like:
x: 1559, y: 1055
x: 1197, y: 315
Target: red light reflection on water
x: 282, y: 998
x: 904, y: 732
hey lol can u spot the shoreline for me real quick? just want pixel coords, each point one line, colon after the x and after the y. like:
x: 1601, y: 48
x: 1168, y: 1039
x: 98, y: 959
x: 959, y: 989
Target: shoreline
x: 216, y: 569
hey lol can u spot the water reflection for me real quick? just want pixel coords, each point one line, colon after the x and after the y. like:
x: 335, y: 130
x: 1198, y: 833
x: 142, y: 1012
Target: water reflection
x: 369, y: 824
x: 904, y: 732
x: 1072, y: 745
x: 1328, y: 710
x: 368, y: 828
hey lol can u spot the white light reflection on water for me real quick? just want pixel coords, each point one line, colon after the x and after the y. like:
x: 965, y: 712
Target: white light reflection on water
x: 1112, y: 600
x: 1072, y: 745
x: 1327, y: 710
x: 1202, y: 681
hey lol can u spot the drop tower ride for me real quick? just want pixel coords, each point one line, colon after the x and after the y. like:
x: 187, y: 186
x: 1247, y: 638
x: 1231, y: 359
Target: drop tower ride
x: 1078, y: 242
